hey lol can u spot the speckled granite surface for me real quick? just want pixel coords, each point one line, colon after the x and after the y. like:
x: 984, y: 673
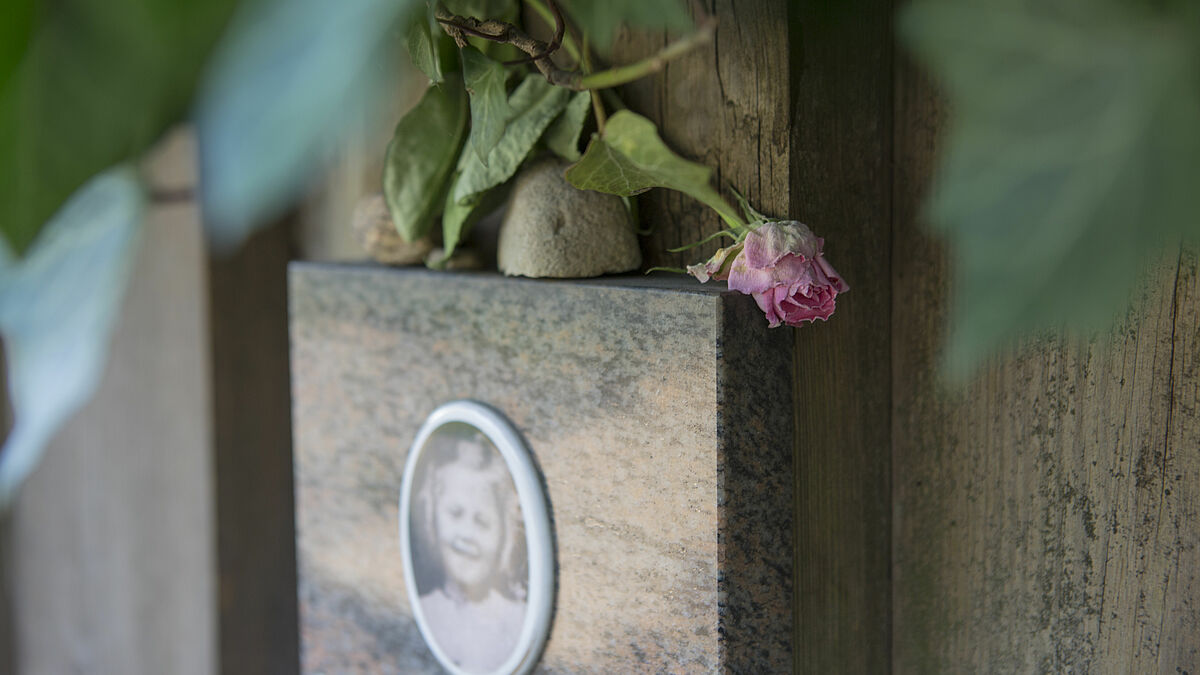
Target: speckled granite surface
x: 659, y: 412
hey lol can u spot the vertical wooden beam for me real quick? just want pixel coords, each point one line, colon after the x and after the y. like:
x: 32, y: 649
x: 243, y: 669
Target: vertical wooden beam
x: 112, y: 536
x: 793, y: 108
x: 841, y: 158
x: 8, y: 643
x: 1046, y: 512
x: 252, y: 428
x: 726, y: 106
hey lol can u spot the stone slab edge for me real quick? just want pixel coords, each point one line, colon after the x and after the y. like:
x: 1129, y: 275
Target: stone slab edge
x: 756, y: 486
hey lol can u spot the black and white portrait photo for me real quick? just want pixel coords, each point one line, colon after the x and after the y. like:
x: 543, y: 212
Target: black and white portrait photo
x: 468, y: 552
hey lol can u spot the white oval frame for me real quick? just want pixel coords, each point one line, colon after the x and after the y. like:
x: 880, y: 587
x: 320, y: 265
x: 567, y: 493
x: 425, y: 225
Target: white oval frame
x: 539, y: 544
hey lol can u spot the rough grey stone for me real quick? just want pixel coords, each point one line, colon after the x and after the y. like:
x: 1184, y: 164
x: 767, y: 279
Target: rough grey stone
x: 554, y: 230
x: 374, y: 230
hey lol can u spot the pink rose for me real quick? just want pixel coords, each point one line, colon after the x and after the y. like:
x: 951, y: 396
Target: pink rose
x: 781, y: 265
x: 716, y: 267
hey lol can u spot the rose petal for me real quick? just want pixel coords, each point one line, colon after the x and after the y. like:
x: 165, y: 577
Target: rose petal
x: 767, y: 305
x: 770, y: 242
x: 716, y: 267
x: 830, y: 273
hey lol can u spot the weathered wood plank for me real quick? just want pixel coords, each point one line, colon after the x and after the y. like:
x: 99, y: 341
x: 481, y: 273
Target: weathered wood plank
x: 1180, y: 617
x: 726, y: 106
x: 112, y: 536
x: 841, y: 186
x: 1045, y: 512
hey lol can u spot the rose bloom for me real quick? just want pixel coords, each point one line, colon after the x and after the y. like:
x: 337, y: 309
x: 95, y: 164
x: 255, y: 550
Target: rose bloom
x: 781, y: 265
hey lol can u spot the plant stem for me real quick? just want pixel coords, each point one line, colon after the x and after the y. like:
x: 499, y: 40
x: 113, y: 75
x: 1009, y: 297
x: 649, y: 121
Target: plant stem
x: 568, y: 41
x: 458, y: 27
x: 619, y: 75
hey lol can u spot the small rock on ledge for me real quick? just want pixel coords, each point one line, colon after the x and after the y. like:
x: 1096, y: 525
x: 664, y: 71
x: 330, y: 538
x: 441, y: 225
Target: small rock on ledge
x: 553, y: 229
x: 374, y: 229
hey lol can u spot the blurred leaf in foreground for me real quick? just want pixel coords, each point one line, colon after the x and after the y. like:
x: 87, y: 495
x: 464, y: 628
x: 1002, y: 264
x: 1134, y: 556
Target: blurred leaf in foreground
x: 57, y: 308
x: 422, y: 49
x: 95, y: 84
x: 629, y: 158
x: 15, y: 32
x: 1073, y: 155
x: 286, y: 83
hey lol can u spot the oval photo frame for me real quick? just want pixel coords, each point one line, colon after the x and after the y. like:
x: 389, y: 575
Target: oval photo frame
x: 462, y: 514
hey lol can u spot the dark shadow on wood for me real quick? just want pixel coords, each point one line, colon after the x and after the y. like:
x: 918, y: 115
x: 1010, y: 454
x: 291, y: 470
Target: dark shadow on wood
x: 8, y: 640
x: 841, y: 182
x: 259, y: 630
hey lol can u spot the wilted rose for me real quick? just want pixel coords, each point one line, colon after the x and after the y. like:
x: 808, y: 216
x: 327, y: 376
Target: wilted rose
x: 781, y: 265
x: 716, y: 267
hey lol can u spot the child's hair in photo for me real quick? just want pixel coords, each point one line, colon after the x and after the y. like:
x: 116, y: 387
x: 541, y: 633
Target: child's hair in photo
x: 453, y: 449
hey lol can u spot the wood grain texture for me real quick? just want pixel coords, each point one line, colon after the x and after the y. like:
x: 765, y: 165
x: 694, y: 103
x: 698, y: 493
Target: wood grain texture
x: 253, y: 447
x: 841, y: 187
x: 1045, y: 513
x: 726, y: 106
x: 8, y: 629
x: 113, y: 543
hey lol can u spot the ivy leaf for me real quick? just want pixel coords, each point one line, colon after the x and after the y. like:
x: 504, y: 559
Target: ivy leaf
x: 1073, y: 156
x: 629, y: 158
x: 457, y: 219
x: 422, y: 156
x: 57, y: 308
x: 536, y: 103
x: 601, y: 19
x: 421, y: 48
x: 490, y: 110
x: 563, y: 135
x: 85, y: 86
x: 289, y: 79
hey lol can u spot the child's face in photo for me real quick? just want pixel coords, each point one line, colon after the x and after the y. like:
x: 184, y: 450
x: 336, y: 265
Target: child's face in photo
x: 469, y: 524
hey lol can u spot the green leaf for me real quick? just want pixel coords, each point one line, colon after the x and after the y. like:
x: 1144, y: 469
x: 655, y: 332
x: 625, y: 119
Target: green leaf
x: 15, y: 33
x: 1072, y: 157
x: 421, y: 48
x: 422, y: 156
x: 85, y: 85
x: 490, y: 110
x: 457, y: 219
x: 58, y: 305
x: 601, y: 19
x: 289, y: 80
x: 630, y: 158
x: 563, y: 135
x: 536, y: 103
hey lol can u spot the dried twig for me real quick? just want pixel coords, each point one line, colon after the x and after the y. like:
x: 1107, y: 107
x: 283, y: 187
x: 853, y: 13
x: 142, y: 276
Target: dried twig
x: 560, y: 27
x: 461, y: 27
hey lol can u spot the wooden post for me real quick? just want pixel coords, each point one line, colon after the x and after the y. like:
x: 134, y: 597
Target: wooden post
x: 1045, y: 513
x: 253, y: 449
x: 793, y: 107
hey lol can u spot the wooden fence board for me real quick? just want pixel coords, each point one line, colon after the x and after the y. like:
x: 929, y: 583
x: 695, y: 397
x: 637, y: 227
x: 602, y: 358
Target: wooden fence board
x: 1045, y: 512
x: 113, y: 542
x: 841, y: 186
